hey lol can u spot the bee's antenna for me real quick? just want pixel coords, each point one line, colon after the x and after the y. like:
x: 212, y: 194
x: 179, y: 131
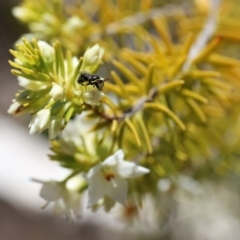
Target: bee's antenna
x: 106, y: 79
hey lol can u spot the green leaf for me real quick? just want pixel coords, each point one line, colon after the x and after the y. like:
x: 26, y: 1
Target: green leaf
x: 134, y: 131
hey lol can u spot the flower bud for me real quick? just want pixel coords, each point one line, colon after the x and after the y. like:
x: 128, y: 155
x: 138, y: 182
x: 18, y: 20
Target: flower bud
x: 56, y: 126
x: 56, y: 91
x: 40, y: 121
x: 93, y: 97
x: 22, y: 13
x: 15, y: 108
x: 47, y: 51
x: 72, y: 24
x: 92, y: 58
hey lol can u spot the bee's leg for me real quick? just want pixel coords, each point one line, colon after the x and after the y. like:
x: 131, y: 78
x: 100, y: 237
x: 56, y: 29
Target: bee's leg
x: 97, y: 86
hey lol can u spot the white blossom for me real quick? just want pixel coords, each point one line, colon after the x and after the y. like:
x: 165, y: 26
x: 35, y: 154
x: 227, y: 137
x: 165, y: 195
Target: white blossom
x: 66, y: 202
x: 108, y: 178
x: 57, y: 91
x: 93, y: 97
x: 92, y: 58
x: 40, y: 121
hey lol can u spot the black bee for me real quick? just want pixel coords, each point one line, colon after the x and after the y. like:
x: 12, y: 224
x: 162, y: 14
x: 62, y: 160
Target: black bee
x: 91, y: 79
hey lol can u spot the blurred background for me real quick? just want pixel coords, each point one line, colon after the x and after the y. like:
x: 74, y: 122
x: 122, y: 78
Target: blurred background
x: 213, y: 215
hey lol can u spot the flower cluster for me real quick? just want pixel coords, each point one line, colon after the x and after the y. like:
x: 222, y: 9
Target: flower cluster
x: 51, y: 93
x: 107, y: 179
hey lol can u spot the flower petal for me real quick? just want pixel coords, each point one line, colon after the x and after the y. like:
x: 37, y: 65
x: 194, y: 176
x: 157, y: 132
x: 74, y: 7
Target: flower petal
x: 55, y: 127
x: 40, y: 121
x: 72, y: 202
x: 51, y: 191
x: 118, y: 193
x: 97, y: 185
x: 119, y: 154
x: 113, y: 160
x: 92, y: 172
x: 15, y: 108
x: 61, y: 208
x: 130, y: 170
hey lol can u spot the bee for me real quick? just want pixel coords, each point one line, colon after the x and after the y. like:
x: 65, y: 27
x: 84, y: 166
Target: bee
x: 91, y: 79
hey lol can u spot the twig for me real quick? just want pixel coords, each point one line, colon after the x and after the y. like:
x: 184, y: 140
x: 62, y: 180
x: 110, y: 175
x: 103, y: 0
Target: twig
x: 135, y: 108
x: 141, y: 17
x: 206, y: 33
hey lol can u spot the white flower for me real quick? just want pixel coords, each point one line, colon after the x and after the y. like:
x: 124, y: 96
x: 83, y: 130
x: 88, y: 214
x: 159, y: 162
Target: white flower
x: 92, y: 58
x: 56, y: 91
x: 47, y: 51
x: 93, y: 97
x: 108, y: 178
x: 40, y: 121
x: 66, y: 202
x: 72, y: 24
